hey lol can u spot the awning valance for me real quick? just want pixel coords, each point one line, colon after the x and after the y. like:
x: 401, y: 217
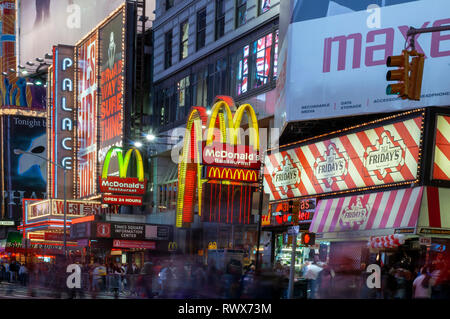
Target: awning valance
x: 374, y: 214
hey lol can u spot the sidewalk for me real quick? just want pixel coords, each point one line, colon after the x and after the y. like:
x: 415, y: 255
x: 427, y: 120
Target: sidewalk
x: 17, y: 291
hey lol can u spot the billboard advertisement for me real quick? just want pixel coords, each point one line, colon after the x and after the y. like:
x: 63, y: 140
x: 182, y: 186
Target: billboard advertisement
x: 56, y: 21
x: 441, y: 164
x: 61, y: 115
x: 112, y: 77
x: 24, y: 175
x: 14, y: 90
x: 342, y: 69
x: 87, y: 102
x: 385, y: 154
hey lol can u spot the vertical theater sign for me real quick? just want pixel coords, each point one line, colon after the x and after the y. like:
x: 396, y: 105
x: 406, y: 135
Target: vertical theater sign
x: 217, y: 171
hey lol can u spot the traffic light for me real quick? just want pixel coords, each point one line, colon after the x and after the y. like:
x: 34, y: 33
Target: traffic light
x: 415, y: 77
x: 401, y: 74
x: 308, y: 239
x: 409, y: 75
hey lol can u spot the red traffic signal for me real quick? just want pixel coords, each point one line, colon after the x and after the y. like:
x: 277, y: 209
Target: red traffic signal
x: 308, y: 239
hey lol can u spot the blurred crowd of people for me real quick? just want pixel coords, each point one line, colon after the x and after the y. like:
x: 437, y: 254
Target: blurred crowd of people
x: 183, y: 278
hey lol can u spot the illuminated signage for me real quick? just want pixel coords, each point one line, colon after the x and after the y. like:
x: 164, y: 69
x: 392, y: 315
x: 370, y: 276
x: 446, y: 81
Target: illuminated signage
x: 354, y: 214
x: 287, y: 175
x: 112, y: 78
x: 123, y: 184
x: 442, y: 149
x: 375, y: 157
x: 60, y: 132
x: 87, y: 102
x: 134, y: 244
x: 55, y: 207
x: 231, y: 174
x: 292, y: 212
x: 227, y: 150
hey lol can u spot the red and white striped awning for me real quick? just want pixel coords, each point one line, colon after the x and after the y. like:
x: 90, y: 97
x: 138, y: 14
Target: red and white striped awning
x: 435, y: 210
x: 375, y: 214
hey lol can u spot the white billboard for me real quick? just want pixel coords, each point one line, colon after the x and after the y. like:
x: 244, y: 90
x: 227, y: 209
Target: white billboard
x: 336, y: 57
x: 44, y: 23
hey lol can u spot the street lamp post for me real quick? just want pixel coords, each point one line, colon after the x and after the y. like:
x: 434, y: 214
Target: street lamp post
x: 19, y: 151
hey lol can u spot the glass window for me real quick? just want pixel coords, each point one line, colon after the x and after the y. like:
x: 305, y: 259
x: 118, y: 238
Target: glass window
x: 169, y: 4
x: 264, y: 6
x: 184, y: 33
x: 200, y: 88
x: 201, y: 29
x: 220, y: 19
x: 241, y: 13
x: 217, y: 79
x: 168, y: 50
x: 241, y: 74
x: 275, y: 56
x: 183, y: 98
x: 261, y: 55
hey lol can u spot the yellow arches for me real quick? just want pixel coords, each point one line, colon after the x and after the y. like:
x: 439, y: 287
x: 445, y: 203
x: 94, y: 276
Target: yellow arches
x: 189, y: 167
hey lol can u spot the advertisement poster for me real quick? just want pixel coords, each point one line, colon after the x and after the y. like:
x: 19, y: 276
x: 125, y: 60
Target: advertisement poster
x: 112, y: 74
x: 342, y: 69
x: 25, y: 175
x: 14, y: 90
x: 87, y: 102
x: 57, y: 21
x: 386, y: 154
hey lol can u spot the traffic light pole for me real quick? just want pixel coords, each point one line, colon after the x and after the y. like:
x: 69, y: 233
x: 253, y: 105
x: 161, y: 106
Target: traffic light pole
x: 413, y: 31
x: 292, y: 268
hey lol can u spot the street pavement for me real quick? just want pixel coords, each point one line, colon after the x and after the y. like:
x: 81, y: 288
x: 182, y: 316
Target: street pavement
x: 17, y: 291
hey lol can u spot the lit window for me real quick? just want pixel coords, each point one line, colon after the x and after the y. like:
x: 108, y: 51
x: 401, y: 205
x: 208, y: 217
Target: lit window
x: 264, y: 6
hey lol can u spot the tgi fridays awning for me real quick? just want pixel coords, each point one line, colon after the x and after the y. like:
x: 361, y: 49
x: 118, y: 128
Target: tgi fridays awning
x: 375, y: 214
x: 435, y: 212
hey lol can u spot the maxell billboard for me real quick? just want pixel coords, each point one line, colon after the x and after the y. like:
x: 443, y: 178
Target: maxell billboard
x: 336, y: 56
x: 61, y: 116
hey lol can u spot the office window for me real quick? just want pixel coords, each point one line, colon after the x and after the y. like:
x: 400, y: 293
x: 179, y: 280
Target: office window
x: 262, y: 60
x: 183, y: 97
x: 184, y: 33
x: 169, y: 4
x: 217, y: 78
x: 200, y: 87
x: 220, y: 19
x: 168, y: 50
x: 275, y: 56
x: 240, y: 75
x: 264, y: 6
x: 241, y: 13
x: 201, y: 29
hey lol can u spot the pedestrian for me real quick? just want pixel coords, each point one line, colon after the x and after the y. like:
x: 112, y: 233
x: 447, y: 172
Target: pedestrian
x: 312, y: 272
x: 23, y: 275
x: 422, y: 284
x: 166, y: 279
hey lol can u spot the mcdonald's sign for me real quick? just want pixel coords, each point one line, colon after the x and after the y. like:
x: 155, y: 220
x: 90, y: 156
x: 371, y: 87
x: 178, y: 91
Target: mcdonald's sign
x: 231, y: 174
x: 123, y: 184
x: 223, y: 148
x: 173, y: 246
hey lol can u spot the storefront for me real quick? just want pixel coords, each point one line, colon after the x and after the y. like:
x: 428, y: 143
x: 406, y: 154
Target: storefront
x: 122, y: 242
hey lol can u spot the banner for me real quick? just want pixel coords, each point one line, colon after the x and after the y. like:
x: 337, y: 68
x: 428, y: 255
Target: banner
x: 378, y: 156
x: 112, y: 77
x: 87, y: 84
x: 25, y: 175
x: 335, y: 55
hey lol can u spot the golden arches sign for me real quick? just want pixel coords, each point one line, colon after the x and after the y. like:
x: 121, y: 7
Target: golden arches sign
x: 189, y: 167
x: 237, y: 174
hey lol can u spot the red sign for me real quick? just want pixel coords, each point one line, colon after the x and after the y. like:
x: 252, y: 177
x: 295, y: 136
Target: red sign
x: 122, y: 200
x: 87, y: 101
x: 54, y: 236
x: 134, y: 244
x: 103, y: 230
x: 117, y: 185
x: 231, y: 174
x: 238, y: 156
x: 378, y: 156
